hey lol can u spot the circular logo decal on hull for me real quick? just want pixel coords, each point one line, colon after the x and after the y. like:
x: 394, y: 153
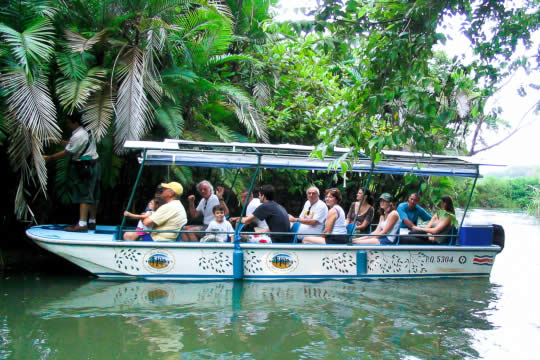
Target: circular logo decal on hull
x: 282, y: 262
x: 158, y: 261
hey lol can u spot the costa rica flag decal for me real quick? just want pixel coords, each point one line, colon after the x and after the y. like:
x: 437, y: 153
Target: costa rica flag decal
x: 483, y: 260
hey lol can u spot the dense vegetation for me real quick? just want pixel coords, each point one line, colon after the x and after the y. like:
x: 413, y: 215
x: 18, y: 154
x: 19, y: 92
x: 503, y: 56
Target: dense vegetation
x: 361, y: 74
x: 511, y: 193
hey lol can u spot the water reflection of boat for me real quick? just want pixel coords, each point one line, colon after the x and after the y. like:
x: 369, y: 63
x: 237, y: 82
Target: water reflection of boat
x: 100, y: 253
x: 423, y: 319
x: 99, y: 298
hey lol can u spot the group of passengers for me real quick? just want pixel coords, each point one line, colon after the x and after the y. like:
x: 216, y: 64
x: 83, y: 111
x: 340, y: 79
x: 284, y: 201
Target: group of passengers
x: 319, y: 222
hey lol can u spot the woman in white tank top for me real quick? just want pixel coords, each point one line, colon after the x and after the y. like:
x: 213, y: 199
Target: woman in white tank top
x: 386, y: 231
x: 335, y: 226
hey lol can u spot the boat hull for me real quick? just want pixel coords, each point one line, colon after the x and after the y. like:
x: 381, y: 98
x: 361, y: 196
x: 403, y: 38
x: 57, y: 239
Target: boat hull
x: 98, y: 253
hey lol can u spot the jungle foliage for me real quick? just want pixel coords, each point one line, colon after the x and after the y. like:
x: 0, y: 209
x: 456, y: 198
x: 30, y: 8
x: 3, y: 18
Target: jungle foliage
x: 362, y: 74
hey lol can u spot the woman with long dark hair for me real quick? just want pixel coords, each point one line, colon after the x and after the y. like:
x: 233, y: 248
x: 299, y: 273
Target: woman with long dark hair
x: 440, y: 224
x: 365, y: 211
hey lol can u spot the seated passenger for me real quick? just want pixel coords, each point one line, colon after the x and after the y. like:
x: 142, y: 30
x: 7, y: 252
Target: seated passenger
x: 274, y: 214
x: 410, y: 211
x: 313, y: 214
x: 219, y: 224
x: 252, y: 204
x: 365, y: 212
x: 335, y: 225
x: 141, y: 229
x: 438, y: 225
x: 207, y: 203
x: 386, y: 231
x: 169, y: 216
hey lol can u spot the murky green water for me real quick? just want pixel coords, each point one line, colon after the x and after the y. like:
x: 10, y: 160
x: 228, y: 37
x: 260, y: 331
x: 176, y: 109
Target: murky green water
x: 63, y: 317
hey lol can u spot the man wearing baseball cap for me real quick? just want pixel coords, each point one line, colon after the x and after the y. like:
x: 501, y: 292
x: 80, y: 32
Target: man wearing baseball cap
x: 171, y: 216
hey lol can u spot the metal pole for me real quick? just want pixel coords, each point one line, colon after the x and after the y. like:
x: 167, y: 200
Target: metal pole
x: 236, y: 235
x: 119, y: 232
x: 238, y: 254
x: 468, y: 201
x: 362, y: 199
x: 232, y: 186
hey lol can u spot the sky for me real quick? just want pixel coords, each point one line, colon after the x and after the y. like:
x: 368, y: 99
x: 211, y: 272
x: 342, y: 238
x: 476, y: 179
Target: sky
x: 523, y: 148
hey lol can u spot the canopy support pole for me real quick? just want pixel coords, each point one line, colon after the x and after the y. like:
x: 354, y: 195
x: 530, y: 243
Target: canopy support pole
x: 361, y: 201
x: 238, y: 254
x: 232, y: 186
x: 468, y: 201
x: 119, y: 232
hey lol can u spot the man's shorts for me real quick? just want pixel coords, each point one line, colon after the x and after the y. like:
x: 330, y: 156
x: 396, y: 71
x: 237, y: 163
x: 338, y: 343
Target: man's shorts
x: 86, y: 189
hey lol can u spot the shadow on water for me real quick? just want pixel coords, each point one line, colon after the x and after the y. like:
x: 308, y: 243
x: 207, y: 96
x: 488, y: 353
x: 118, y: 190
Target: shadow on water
x: 329, y: 319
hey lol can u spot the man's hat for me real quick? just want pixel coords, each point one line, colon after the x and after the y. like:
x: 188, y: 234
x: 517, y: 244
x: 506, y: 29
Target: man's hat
x: 174, y: 186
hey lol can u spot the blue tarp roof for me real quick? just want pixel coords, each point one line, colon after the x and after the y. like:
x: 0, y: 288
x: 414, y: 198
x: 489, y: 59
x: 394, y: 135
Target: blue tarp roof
x: 287, y: 156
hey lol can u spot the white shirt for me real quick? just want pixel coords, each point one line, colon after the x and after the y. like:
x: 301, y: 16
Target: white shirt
x: 391, y: 234
x: 253, y: 204
x: 77, y: 142
x: 317, y: 211
x: 205, y: 207
x: 340, y: 226
x: 224, y: 227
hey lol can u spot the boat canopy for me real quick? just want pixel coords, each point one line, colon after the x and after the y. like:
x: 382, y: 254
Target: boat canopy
x: 287, y: 156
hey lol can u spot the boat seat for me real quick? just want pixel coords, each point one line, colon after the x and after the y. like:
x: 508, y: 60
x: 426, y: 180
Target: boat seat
x: 453, y: 235
x: 294, y: 229
x: 351, y: 228
x: 179, y: 237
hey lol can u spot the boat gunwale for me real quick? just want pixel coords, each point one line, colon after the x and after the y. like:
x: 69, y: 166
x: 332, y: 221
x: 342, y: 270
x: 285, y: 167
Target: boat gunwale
x: 279, y: 246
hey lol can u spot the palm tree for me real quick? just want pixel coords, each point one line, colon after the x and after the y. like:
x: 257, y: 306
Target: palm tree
x: 122, y: 65
x: 27, y: 46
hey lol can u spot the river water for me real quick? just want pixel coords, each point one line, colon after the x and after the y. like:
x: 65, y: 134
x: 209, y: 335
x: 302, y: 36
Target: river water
x: 76, y: 317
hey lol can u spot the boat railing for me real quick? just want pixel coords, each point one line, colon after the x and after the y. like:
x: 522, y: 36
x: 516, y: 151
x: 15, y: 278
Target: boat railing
x: 294, y: 235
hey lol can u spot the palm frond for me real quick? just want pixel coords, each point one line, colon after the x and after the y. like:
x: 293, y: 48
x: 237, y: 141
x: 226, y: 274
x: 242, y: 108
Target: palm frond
x: 74, y: 93
x: 221, y: 59
x: 163, y: 7
x: 245, y: 111
x: 80, y: 44
x: 171, y: 118
x: 202, y: 24
x: 223, y: 132
x: 175, y: 78
x: 183, y: 174
x: 219, y: 37
x: 30, y: 104
x: 3, y: 128
x: 133, y: 114
x: 71, y: 65
x: 20, y: 200
x: 261, y: 93
x: 24, y: 147
x: 35, y: 43
x: 97, y: 114
x: 109, y: 161
x: 155, y: 30
x: 222, y: 8
x: 152, y: 77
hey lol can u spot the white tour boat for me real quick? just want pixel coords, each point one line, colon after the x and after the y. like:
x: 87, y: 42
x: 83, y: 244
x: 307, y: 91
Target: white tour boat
x: 471, y: 253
